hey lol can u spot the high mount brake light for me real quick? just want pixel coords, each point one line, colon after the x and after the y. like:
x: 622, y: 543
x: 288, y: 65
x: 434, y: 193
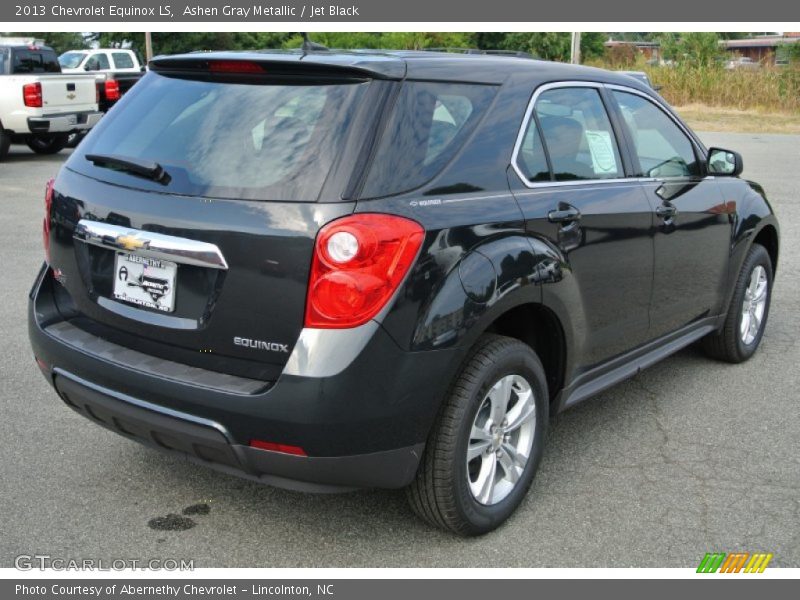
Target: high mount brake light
x: 234, y: 66
x: 359, y: 262
x: 48, y: 210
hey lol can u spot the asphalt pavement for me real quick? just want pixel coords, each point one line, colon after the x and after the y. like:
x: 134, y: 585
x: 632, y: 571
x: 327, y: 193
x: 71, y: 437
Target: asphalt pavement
x: 691, y: 456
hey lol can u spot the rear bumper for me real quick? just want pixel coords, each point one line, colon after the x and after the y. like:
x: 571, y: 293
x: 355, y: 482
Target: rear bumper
x: 211, y: 444
x: 64, y: 123
x: 363, y: 427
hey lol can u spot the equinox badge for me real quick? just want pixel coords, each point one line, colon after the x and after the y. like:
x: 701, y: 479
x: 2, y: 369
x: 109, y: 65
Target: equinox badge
x: 260, y: 345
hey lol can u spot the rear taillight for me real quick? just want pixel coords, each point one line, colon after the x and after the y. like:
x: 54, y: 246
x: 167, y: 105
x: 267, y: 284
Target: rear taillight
x: 48, y: 210
x: 32, y: 94
x: 112, y: 90
x: 359, y: 261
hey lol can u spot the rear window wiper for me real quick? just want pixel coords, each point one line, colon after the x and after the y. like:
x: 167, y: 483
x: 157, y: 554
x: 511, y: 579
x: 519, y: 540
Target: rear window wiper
x: 135, y: 166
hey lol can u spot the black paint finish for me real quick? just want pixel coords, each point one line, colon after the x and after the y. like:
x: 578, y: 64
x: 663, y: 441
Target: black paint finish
x: 625, y: 284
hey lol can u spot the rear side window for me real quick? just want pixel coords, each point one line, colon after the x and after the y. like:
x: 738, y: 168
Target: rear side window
x: 98, y: 62
x: 578, y: 135
x: 662, y: 148
x: 229, y: 140
x: 531, y: 158
x: 122, y: 60
x: 429, y: 124
x: 35, y: 61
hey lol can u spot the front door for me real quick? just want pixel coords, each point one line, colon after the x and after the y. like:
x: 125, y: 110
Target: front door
x: 693, y: 221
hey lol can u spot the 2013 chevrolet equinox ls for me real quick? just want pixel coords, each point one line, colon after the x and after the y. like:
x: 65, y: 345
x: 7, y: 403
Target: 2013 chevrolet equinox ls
x: 336, y: 270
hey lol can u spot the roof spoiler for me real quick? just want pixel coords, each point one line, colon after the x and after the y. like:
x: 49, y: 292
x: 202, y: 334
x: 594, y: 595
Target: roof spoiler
x: 271, y: 67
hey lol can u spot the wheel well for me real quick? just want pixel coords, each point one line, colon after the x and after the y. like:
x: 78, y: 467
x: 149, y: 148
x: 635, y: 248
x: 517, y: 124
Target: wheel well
x: 768, y: 237
x: 538, y: 327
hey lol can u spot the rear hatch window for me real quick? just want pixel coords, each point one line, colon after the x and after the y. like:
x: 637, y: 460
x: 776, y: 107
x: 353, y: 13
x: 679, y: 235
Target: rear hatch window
x: 228, y: 140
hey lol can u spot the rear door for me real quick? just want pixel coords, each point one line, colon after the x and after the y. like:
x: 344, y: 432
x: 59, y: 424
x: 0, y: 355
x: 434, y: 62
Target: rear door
x: 693, y: 221
x: 252, y: 169
x: 577, y: 197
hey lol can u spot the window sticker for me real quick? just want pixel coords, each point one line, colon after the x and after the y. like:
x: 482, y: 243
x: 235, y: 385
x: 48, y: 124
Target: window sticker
x: 601, y: 148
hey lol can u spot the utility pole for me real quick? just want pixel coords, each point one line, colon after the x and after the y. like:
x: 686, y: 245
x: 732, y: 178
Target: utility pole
x: 148, y: 46
x: 575, y: 52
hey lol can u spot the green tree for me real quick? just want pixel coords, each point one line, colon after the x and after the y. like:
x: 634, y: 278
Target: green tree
x: 399, y: 40
x: 695, y: 48
x: 552, y: 45
x: 176, y: 43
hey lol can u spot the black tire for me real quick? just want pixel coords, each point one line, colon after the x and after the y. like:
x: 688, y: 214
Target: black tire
x: 727, y: 343
x: 441, y: 493
x: 73, y: 139
x: 5, y: 144
x: 51, y: 143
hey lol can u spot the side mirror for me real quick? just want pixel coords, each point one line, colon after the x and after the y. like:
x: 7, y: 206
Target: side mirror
x: 726, y: 163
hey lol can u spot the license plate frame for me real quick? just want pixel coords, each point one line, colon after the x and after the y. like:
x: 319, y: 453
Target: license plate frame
x: 145, y: 282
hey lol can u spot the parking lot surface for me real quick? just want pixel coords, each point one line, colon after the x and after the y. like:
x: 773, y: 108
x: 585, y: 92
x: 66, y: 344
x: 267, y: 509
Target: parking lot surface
x: 691, y: 456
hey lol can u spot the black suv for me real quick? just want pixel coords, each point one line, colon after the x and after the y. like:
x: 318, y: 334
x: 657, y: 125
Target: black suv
x: 337, y: 270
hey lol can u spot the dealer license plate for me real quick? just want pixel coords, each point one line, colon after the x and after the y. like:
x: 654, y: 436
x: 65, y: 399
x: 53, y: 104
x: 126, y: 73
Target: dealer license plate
x: 145, y: 281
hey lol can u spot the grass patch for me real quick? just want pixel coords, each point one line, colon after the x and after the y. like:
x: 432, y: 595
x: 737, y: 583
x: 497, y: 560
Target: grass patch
x: 765, y: 90
x: 711, y: 118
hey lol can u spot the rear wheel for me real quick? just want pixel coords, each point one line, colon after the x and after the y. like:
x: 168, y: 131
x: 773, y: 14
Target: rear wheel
x: 747, y: 315
x: 5, y: 143
x: 73, y: 139
x: 487, y: 440
x: 50, y: 143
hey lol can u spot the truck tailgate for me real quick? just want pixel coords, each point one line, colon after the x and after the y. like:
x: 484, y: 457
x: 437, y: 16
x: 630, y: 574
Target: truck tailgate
x: 65, y: 93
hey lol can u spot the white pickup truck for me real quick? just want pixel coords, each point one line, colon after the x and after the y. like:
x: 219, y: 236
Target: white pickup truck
x: 40, y: 106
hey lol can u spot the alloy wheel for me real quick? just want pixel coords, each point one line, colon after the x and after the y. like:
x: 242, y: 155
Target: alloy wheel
x: 501, y: 439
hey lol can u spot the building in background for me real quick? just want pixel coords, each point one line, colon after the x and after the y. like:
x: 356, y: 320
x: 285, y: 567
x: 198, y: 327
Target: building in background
x: 764, y: 49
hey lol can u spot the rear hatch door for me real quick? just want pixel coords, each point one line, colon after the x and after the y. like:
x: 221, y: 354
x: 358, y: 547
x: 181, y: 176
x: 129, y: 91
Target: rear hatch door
x: 208, y: 259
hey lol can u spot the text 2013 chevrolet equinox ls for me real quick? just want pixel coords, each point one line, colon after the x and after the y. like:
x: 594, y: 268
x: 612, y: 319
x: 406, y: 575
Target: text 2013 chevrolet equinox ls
x: 338, y: 270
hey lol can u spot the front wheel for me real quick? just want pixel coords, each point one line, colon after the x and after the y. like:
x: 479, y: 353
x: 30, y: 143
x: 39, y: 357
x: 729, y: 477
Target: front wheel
x: 747, y: 315
x: 50, y: 143
x: 487, y: 440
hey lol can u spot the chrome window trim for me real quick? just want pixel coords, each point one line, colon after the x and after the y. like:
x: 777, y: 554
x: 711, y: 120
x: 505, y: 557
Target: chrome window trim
x: 598, y: 86
x: 151, y: 244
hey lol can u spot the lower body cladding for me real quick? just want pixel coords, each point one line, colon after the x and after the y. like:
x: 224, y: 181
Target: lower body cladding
x: 354, y: 422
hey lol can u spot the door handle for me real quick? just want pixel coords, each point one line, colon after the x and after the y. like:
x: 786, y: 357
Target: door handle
x: 666, y: 211
x: 566, y: 213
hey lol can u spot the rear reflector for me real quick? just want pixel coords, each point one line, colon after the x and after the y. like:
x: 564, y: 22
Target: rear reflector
x: 32, y: 94
x: 234, y: 66
x: 273, y: 447
x: 48, y: 211
x: 43, y: 366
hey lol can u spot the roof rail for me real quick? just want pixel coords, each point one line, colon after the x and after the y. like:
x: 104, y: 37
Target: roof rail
x: 515, y: 53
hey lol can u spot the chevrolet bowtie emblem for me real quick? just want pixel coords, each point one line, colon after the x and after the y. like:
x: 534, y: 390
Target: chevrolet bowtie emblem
x: 71, y: 96
x: 130, y: 242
